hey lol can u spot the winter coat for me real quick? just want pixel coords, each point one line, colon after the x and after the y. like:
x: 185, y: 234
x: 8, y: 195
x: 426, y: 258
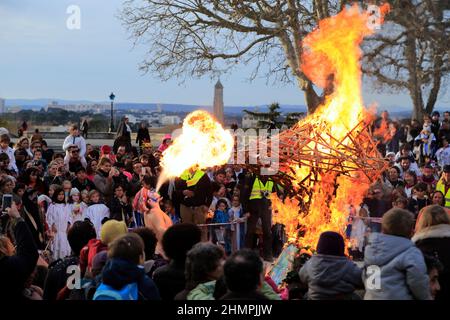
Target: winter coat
x: 436, y: 240
x: 170, y: 280
x: 402, y: 269
x: 330, y: 277
x: 119, y: 272
x: 15, y: 270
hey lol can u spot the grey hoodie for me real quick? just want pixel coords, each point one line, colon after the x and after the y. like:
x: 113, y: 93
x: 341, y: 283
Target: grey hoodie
x: 330, y: 277
x: 403, y: 273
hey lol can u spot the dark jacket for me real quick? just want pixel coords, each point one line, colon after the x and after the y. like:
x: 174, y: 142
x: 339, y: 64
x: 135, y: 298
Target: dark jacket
x: 117, y: 208
x: 202, y: 193
x: 85, y: 185
x: 57, y: 276
x: 49, y: 180
x: 118, y: 272
x: 436, y: 240
x: 246, y: 186
x: 15, y: 270
x: 143, y: 135
x: 170, y: 280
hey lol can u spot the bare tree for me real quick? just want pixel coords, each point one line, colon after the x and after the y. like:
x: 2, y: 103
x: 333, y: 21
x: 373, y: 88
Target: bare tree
x: 193, y: 38
x: 411, y: 53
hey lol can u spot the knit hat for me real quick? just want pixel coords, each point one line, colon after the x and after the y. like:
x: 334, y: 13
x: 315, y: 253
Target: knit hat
x: 331, y: 243
x: 105, y: 149
x: 111, y: 229
x: 74, y: 191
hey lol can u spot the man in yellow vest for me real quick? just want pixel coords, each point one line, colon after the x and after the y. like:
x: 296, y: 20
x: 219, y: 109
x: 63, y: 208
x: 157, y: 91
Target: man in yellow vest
x: 255, y: 199
x: 443, y: 185
x: 193, y: 188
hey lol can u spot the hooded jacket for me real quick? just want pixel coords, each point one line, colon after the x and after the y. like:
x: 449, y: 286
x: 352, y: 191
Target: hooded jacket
x: 330, y: 277
x: 403, y: 273
x: 118, y: 272
x: 436, y: 240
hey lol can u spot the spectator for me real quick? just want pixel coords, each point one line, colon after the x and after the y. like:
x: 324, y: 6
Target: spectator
x: 152, y: 261
x: 410, y: 181
x: 81, y: 181
x: 78, y: 236
x: 143, y: 134
x: 376, y: 206
x: 77, y: 206
x: 428, y: 177
x: 16, y: 265
x: 419, y: 199
x: 243, y: 274
x: 204, y: 263
x: 74, y: 160
x: 443, y: 154
x: 30, y: 213
x: 405, y: 165
x: 91, y: 169
x: 435, y: 123
x: 176, y: 242
x: 103, y: 179
x: 120, y: 207
x: 169, y: 209
x: 97, y: 212
x: 433, y: 237
x: 85, y: 129
x: 58, y: 218
x: 72, y: 139
x: 329, y: 274
x: 123, y: 277
x: 123, y: 135
x: 402, y: 267
x: 47, y: 153
x: 167, y: 141
x: 437, y: 198
x: 393, y: 178
x: 434, y: 269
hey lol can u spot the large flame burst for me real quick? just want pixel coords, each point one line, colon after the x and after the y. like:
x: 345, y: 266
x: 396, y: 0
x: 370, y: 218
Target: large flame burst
x: 203, y: 143
x: 330, y: 155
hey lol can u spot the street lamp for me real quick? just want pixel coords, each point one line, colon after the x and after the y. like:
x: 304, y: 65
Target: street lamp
x: 111, y: 125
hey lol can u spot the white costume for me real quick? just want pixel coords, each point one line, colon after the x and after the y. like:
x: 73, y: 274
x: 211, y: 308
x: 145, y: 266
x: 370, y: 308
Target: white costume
x: 96, y: 213
x: 79, y: 216
x: 59, y: 215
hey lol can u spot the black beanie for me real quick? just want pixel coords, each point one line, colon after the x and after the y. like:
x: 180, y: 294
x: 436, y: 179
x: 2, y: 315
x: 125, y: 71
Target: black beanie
x: 331, y: 243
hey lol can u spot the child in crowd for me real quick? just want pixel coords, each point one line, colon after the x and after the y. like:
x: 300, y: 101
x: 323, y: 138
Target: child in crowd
x: 58, y: 219
x: 329, y: 274
x: 67, y: 186
x: 126, y: 257
x: 85, y: 197
x: 140, y: 200
x: 220, y: 232
x: 420, y: 198
x: 78, y: 206
x: 236, y: 213
x: 399, y: 264
x: 169, y: 209
x: 97, y: 212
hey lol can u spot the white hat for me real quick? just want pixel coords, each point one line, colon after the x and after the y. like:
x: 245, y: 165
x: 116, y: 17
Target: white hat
x: 74, y: 191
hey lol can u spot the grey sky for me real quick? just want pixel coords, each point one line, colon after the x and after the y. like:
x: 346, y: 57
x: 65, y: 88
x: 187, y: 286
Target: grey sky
x: 41, y: 58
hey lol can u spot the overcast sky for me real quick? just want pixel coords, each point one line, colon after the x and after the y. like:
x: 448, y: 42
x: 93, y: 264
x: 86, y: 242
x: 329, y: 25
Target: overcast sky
x: 41, y: 58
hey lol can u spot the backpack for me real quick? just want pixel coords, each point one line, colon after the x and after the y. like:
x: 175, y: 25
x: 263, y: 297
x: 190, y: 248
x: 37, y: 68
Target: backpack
x: 106, y: 292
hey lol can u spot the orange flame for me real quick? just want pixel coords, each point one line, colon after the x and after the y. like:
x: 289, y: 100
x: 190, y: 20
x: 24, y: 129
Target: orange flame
x: 331, y: 58
x: 203, y: 143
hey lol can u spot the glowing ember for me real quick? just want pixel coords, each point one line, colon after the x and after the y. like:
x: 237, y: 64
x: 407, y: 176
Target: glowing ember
x: 329, y: 174
x: 203, y: 143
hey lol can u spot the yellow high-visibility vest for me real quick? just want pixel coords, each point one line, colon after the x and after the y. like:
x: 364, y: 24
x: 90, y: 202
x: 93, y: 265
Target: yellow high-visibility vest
x: 440, y: 186
x: 192, y: 180
x: 259, y: 188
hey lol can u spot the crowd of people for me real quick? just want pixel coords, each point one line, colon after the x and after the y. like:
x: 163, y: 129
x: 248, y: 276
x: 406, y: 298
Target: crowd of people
x: 208, y: 234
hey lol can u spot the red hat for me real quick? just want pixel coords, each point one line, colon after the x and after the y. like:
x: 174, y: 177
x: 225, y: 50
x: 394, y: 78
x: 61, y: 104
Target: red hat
x: 105, y: 149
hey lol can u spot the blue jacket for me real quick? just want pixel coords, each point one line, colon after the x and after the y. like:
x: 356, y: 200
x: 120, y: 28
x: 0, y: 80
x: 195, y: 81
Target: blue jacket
x: 330, y: 277
x: 403, y: 273
x: 118, y: 272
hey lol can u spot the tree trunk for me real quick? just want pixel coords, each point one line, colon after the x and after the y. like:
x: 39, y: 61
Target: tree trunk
x: 413, y: 80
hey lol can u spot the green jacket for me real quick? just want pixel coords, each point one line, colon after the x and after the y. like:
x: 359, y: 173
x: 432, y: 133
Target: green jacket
x: 205, y: 291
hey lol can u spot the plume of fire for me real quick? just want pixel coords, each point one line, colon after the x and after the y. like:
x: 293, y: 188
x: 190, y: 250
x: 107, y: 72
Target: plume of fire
x: 203, y: 143
x: 331, y: 58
